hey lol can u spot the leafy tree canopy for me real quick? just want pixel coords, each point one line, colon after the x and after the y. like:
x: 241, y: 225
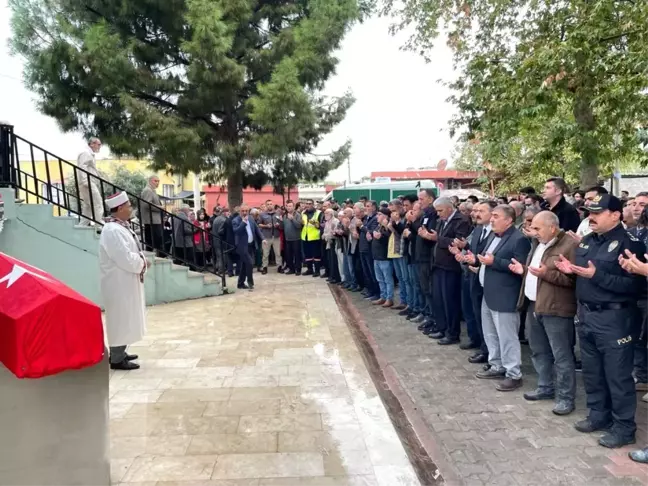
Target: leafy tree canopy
x: 543, y: 83
x: 229, y: 88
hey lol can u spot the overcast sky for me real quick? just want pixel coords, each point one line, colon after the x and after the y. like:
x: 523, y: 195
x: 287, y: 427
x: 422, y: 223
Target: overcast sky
x: 399, y: 119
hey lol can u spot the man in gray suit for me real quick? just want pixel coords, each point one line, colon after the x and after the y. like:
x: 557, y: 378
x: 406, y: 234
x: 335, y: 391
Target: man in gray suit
x: 183, y: 230
x: 500, y: 318
x: 151, y: 216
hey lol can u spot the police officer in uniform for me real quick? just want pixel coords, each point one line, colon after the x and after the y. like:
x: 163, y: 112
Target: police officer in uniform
x: 607, y: 306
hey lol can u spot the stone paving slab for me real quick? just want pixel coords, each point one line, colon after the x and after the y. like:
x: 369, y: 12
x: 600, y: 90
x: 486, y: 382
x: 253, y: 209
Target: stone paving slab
x: 485, y: 437
x: 262, y: 388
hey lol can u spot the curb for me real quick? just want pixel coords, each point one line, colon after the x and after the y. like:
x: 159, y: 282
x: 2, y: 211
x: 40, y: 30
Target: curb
x: 422, y: 448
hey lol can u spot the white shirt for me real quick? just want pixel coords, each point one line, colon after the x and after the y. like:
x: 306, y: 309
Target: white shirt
x: 531, y: 282
x: 490, y: 249
x: 248, y: 228
x: 584, y: 228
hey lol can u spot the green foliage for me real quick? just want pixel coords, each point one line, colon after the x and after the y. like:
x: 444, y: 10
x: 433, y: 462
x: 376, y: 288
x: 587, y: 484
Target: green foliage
x: 227, y: 88
x: 546, y: 86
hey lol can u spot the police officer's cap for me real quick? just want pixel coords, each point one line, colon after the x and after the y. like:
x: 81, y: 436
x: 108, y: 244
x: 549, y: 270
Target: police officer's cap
x: 604, y: 202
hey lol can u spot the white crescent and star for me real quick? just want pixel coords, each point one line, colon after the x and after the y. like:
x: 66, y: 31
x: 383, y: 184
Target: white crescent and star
x: 17, y: 272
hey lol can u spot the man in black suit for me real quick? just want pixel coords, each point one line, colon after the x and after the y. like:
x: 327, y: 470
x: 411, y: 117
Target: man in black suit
x: 248, y: 239
x: 481, y: 238
x: 554, y: 194
x: 446, y: 276
x: 500, y: 319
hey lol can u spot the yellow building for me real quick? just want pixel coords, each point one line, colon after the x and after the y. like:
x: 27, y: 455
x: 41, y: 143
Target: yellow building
x: 56, y: 173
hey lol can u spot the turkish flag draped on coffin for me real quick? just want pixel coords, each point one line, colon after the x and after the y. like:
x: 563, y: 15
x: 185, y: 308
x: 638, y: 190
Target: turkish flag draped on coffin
x: 45, y: 326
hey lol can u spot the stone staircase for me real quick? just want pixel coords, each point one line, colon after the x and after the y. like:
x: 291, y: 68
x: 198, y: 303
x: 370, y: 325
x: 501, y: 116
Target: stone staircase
x: 35, y: 234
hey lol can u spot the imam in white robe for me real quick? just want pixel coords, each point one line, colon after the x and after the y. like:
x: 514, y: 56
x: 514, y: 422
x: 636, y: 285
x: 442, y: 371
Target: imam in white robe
x: 121, y: 263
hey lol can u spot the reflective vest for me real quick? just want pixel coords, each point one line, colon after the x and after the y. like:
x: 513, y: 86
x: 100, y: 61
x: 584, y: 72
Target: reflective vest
x: 309, y: 231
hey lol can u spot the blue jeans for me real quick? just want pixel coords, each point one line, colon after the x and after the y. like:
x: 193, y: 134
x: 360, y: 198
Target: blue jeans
x: 349, y: 272
x: 402, y: 274
x: 469, y: 311
x: 385, y: 277
x: 369, y: 272
x: 416, y: 302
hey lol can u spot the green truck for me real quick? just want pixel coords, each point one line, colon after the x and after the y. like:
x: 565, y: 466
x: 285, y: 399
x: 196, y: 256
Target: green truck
x: 380, y: 191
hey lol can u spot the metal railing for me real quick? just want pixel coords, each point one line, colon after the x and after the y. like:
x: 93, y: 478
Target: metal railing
x: 77, y: 192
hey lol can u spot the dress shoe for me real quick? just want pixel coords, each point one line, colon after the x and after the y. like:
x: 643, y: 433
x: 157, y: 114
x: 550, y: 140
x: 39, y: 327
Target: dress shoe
x: 298, y: 274
x: 469, y: 346
x: 131, y: 357
x: 447, y: 341
x: 289, y: 272
x: 428, y: 331
x: 641, y: 386
x: 537, y: 395
x: 388, y: 304
x: 587, y: 427
x: 418, y: 319
x: 379, y: 302
x: 356, y: 289
x: 315, y: 275
x: 613, y: 440
x: 399, y: 307
x: 478, y: 358
x: 307, y: 273
x: 640, y: 456
x: 436, y: 335
x: 404, y: 313
x: 374, y: 298
x: 324, y: 275
x: 242, y: 287
x: 124, y: 365
x: 509, y: 384
x: 490, y: 374
x: 280, y: 270
x: 563, y: 407
x: 421, y: 327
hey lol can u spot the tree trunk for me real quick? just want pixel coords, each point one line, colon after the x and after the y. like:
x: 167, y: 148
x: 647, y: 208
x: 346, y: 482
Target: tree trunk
x: 235, y: 189
x: 586, y: 140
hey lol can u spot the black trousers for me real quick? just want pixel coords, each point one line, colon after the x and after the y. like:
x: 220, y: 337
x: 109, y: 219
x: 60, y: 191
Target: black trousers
x: 246, y: 266
x: 294, y: 255
x: 447, y: 302
x: 425, y: 278
x: 607, y: 351
x: 154, y: 238
x: 184, y: 256
x: 477, y: 294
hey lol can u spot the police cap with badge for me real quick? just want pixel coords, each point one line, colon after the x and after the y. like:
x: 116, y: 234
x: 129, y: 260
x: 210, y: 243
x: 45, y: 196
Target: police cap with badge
x: 604, y: 202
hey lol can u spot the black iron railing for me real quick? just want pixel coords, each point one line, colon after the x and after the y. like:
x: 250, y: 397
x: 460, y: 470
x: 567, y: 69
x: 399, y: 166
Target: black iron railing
x: 80, y: 192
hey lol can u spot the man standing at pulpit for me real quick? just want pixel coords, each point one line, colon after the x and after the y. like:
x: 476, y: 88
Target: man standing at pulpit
x: 122, y: 266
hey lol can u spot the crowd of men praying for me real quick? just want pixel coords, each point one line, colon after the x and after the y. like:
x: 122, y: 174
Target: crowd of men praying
x: 549, y: 270
x: 556, y: 268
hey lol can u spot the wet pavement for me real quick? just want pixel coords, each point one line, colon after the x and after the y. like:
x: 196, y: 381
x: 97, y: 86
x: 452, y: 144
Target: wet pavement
x: 262, y: 388
x: 474, y: 434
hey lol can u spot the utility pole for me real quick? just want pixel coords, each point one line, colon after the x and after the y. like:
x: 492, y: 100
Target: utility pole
x: 349, y: 167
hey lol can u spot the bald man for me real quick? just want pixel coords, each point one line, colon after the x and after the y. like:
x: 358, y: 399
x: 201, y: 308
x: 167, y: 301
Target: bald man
x: 551, y: 311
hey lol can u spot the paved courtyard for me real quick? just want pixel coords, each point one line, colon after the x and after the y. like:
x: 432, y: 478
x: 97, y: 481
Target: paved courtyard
x: 476, y: 435
x: 263, y: 388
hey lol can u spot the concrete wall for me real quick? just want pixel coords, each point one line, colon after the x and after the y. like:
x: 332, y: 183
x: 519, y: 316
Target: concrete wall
x: 55, y: 429
x: 34, y: 235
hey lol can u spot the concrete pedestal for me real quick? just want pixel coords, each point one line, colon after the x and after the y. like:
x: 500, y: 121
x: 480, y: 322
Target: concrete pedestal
x: 54, y: 430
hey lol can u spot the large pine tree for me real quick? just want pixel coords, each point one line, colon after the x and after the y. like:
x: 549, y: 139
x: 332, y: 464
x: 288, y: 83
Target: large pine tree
x: 229, y: 88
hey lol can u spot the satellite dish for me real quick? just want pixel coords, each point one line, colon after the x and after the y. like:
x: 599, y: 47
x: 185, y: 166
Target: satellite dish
x: 443, y: 163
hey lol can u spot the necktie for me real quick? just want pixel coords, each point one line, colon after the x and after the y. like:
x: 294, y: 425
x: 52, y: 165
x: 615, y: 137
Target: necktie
x: 483, y: 236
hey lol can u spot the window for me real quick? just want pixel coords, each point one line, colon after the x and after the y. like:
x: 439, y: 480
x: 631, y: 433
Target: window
x: 167, y: 190
x: 53, y: 194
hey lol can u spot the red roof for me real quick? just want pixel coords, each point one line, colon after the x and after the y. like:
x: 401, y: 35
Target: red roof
x: 426, y: 174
